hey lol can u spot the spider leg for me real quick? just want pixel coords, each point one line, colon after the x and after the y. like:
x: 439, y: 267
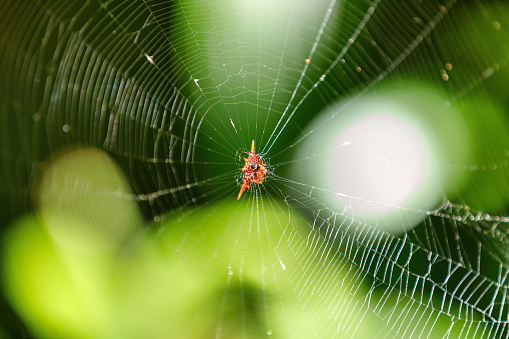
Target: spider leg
x: 242, y: 188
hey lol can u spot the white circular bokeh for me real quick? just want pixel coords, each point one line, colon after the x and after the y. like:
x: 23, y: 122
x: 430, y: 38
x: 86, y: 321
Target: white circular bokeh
x: 377, y: 162
x: 380, y: 160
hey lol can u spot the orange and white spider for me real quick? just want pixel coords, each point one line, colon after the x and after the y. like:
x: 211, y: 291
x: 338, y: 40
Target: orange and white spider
x: 254, y: 170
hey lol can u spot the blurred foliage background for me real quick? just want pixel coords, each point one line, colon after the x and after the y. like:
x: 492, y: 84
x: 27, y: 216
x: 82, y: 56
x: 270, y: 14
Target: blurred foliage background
x: 122, y: 130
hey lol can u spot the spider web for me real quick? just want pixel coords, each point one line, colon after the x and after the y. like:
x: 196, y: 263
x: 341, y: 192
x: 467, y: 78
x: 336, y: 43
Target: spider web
x: 176, y: 91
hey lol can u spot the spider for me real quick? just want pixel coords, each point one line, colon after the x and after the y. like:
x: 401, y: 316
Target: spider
x: 254, y: 170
